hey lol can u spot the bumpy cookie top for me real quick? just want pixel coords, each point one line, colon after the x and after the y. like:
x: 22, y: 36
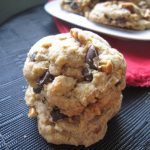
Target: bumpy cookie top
x: 141, y: 3
x: 78, y: 67
x: 121, y: 14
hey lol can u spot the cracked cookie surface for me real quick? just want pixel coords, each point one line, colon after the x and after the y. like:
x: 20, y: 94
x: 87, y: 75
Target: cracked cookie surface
x: 75, y: 82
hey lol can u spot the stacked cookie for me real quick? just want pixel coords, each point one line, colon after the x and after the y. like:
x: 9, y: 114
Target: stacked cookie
x: 74, y: 86
x: 125, y: 14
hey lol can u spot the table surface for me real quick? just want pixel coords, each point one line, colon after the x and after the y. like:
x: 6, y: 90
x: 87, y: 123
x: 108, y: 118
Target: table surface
x: 129, y: 130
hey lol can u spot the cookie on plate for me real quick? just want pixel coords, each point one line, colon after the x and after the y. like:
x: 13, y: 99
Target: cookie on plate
x: 120, y: 14
x: 74, y: 86
x: 78, y: 6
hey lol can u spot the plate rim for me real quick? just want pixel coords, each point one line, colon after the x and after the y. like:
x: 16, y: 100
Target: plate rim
x: 47, y: 5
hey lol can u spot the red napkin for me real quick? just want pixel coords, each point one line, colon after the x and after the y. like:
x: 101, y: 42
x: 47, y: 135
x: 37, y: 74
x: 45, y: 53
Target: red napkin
x: 136, y: 53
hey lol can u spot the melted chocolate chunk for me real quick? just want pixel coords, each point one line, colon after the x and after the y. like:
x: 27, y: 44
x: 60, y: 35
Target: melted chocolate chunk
x: 38, y: 89
x: 74, y: 5
x: 32, y: 57
x: 46, y: 78
x: 56, y: 114
x: 87, y: 73
x: 92, y: 53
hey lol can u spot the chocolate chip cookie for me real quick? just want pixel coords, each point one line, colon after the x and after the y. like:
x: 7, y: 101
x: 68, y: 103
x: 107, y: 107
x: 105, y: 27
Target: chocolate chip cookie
x: 121, y: 14
x: 74, y: 86
x: 78, y: 6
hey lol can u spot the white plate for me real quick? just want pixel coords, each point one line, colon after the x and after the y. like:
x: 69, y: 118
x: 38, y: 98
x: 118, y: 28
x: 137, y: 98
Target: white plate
x: 54, y: 9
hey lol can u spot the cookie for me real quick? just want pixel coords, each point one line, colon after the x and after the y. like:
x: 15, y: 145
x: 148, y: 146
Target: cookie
x: 75, y: 81
x: 141, y: 3
x: 120, y: 14
x: 78, y: 6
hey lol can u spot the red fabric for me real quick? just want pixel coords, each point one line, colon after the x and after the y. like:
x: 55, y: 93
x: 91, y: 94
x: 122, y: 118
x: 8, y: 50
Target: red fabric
x: 136, y: 53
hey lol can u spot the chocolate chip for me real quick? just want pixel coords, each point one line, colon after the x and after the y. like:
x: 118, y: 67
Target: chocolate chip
x: 75, y: 118
x: 108, y: 18
x: 56, y: 114
x: 37, y: 89
x: 32, y: 57
x: 47, y: 77
x: 121, y: 20
x: 117, y: 84
x: 87, y: 73
x: 44, y: 100
x: 74, y: 5
x: 92, y: 53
